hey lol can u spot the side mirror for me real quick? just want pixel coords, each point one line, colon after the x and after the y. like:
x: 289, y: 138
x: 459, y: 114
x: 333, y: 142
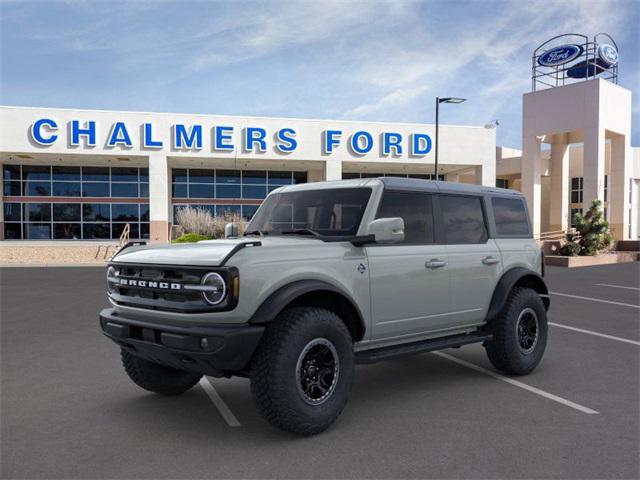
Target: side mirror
x: 230, y: 230
x: 387, y: 230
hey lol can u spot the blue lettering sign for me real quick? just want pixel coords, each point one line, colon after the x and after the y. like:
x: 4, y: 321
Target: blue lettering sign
x: 147, y: 138
x: 222, y: 136
x: 119, y: 136
x: 37, y: 134
x: 186, y: 139
x: 420, y: 144
x: 286, y: 140
x: 255, y: 136
x: 357, y: 146
x: 89, y: 131
x: 330, y: 140
x: 391, y: 140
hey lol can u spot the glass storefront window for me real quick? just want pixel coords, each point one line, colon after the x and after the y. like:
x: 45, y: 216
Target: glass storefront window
x: 37, y: 212
x: 124, y: 190
x: 37, y: 231
x: 95, y: 189
x: 36, y: 172
x: 66, y: 212
x: 37, y: 189
x: 66, y: 173
x: 95, y: 174
x: 66, y: 189
x: 96, y: 212
x: 12, y: 189
x: 124, y: 212
x: 12, y: 212
x: 197, y: 190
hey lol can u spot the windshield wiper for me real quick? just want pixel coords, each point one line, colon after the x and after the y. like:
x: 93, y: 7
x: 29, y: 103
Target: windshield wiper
x: 301, y: 231
x: 256, y: 232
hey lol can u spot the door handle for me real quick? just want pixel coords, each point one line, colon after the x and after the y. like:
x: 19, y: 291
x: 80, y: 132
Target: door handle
x: 490, y: 260
x: 435, y: 263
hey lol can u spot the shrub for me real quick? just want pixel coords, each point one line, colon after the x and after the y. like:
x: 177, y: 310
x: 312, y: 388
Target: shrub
x: 201, y: 222
x: 191, y: 238
x: 591, y: 235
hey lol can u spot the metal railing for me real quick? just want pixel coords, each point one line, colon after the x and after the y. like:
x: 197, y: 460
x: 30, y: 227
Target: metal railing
x: 124, y: 236
x: 553, y: 235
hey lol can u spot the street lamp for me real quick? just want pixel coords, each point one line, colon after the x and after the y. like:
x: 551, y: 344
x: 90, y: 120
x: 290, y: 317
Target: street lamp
x: 438, y: 102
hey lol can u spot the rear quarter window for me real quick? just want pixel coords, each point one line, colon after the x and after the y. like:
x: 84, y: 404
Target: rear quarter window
x: 511, y: 218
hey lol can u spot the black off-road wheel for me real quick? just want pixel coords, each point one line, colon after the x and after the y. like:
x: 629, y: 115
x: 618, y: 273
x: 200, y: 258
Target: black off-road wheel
x: 302, y: 371
x: 157, y: 378
x: 519, y: 333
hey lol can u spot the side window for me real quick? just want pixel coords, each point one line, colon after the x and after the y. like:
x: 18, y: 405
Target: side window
x: 416, y: 211
x: 511, y: 216
x: 463, y: 219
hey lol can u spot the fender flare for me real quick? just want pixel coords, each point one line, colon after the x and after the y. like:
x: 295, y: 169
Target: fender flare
x: 278, y: 300
x: 517, y: 275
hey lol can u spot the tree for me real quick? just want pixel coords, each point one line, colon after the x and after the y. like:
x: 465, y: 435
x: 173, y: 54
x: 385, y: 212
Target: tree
x: 591, y: 235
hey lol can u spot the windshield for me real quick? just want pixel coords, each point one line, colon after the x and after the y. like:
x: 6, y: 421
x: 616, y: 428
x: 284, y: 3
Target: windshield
x: 323, y: 212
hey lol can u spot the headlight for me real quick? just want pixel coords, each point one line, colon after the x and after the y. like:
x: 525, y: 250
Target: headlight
x: 215, y: 289
x: 111, y: 275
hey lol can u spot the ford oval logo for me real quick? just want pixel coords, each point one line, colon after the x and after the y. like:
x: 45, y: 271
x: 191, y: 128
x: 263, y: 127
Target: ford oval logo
x: 560, y: 55
x: 608, y: 54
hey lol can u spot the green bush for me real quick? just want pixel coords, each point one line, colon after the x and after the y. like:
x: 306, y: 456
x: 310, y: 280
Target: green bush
x: 591, y: 235
x: 192, y: 238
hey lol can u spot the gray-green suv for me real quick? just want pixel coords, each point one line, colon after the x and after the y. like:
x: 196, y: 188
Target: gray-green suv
x: 328, y: 275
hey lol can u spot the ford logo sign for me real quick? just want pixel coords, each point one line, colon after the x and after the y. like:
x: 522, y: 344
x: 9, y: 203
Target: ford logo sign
x: 560, y: 55
x: 608, y: 54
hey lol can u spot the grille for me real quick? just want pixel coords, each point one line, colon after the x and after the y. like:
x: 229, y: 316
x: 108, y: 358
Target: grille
x: 157, y: 298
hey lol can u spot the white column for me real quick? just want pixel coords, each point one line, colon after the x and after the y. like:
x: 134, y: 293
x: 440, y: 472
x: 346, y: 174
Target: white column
x: 531, y: 172
x: 159, y: 197
x: 559, y: 204
x: 333, y: 169
x: 618, y: 188
x: 486, y: 174
x: 593, y: 166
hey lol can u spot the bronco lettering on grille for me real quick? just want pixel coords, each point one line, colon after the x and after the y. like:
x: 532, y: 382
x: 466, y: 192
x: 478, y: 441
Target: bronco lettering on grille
x: 150, y: 284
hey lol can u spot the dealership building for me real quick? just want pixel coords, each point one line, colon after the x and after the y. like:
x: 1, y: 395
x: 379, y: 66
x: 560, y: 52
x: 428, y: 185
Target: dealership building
x: 86, y: 174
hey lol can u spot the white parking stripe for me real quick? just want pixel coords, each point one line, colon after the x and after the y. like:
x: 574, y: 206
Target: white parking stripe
x: 516, y: 383
x: 217, y: 400
x: 595, y: 300
x: 617, y: 286
x: 610, y: 337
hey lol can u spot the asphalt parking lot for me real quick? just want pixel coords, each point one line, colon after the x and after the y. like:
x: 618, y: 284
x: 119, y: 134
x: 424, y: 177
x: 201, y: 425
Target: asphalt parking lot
x: 68, y: 410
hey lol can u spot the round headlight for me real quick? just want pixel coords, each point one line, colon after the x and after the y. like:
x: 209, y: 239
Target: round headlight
x: 215, y: 290
x: 111, y: 274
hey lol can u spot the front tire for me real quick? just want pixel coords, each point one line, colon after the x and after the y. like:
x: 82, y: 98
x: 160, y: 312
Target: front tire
x: 157, y: 378
x: 519, y: 333
x: 302, y: 371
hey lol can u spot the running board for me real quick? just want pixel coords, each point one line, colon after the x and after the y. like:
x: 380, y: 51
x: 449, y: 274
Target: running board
x: 395, y: 351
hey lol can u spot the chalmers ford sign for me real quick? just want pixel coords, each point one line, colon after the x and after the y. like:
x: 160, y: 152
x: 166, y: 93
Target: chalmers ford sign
x: 222, y: 138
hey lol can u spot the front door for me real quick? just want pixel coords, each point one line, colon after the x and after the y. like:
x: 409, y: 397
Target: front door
x: 410, y: 280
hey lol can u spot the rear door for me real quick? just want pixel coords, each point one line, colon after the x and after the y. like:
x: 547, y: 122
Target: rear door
x: 410, y: 280
x: 474, y: 259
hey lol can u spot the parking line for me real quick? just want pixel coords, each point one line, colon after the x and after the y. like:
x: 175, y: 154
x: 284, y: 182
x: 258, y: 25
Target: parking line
x: 595, y: 300
x: 516, y: 383
x: 590, y: 332
x: 617, y: 286
x: 217, y: 400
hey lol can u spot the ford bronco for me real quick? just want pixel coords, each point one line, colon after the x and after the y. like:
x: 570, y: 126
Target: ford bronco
x: 328, y: 275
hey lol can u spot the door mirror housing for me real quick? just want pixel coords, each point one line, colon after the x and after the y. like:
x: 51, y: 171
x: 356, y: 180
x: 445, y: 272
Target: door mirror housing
x: 230, y: 230
x: 387, y: 230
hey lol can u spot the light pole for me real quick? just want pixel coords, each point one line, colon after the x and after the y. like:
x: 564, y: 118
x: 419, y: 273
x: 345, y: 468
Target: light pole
x: 438, y: 102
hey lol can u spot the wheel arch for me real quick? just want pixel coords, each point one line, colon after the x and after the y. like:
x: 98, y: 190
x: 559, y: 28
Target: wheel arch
x: 516, y: 277
x: 313, y: 293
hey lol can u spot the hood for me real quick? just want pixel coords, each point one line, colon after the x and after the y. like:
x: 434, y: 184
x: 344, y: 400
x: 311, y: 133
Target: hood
x: 207, y: 253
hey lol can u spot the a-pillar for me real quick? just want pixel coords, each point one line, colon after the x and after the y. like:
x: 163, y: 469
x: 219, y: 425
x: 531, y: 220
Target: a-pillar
x: 531, y: 181
x: 618, y: 188
x: 593, y: 167
x: 333, y: 169
x: 559, y: 169
x: 159, y: 198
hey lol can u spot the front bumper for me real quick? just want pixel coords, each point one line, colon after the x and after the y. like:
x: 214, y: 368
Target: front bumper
x: 212, y: 350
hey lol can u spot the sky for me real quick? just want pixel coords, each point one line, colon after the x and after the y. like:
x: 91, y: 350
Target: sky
x: 351, y: 60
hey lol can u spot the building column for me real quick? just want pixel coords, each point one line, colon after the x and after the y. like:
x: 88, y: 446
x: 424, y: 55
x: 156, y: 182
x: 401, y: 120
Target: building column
x: 452, y: 177
x: 531, y: 181
x: 333, y: 169
x: 1, y: 211
x: 159, y: 198
x: 486, y: 174
x: 593, y: 167
x: 314, y: 175
x: 559, y: 204
x: 618, y: 187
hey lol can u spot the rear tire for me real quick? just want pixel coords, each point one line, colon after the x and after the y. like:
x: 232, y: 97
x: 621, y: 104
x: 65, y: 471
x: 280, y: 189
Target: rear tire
x: 519, y: 333
x: 302, y: 371
x: 157, y: 378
